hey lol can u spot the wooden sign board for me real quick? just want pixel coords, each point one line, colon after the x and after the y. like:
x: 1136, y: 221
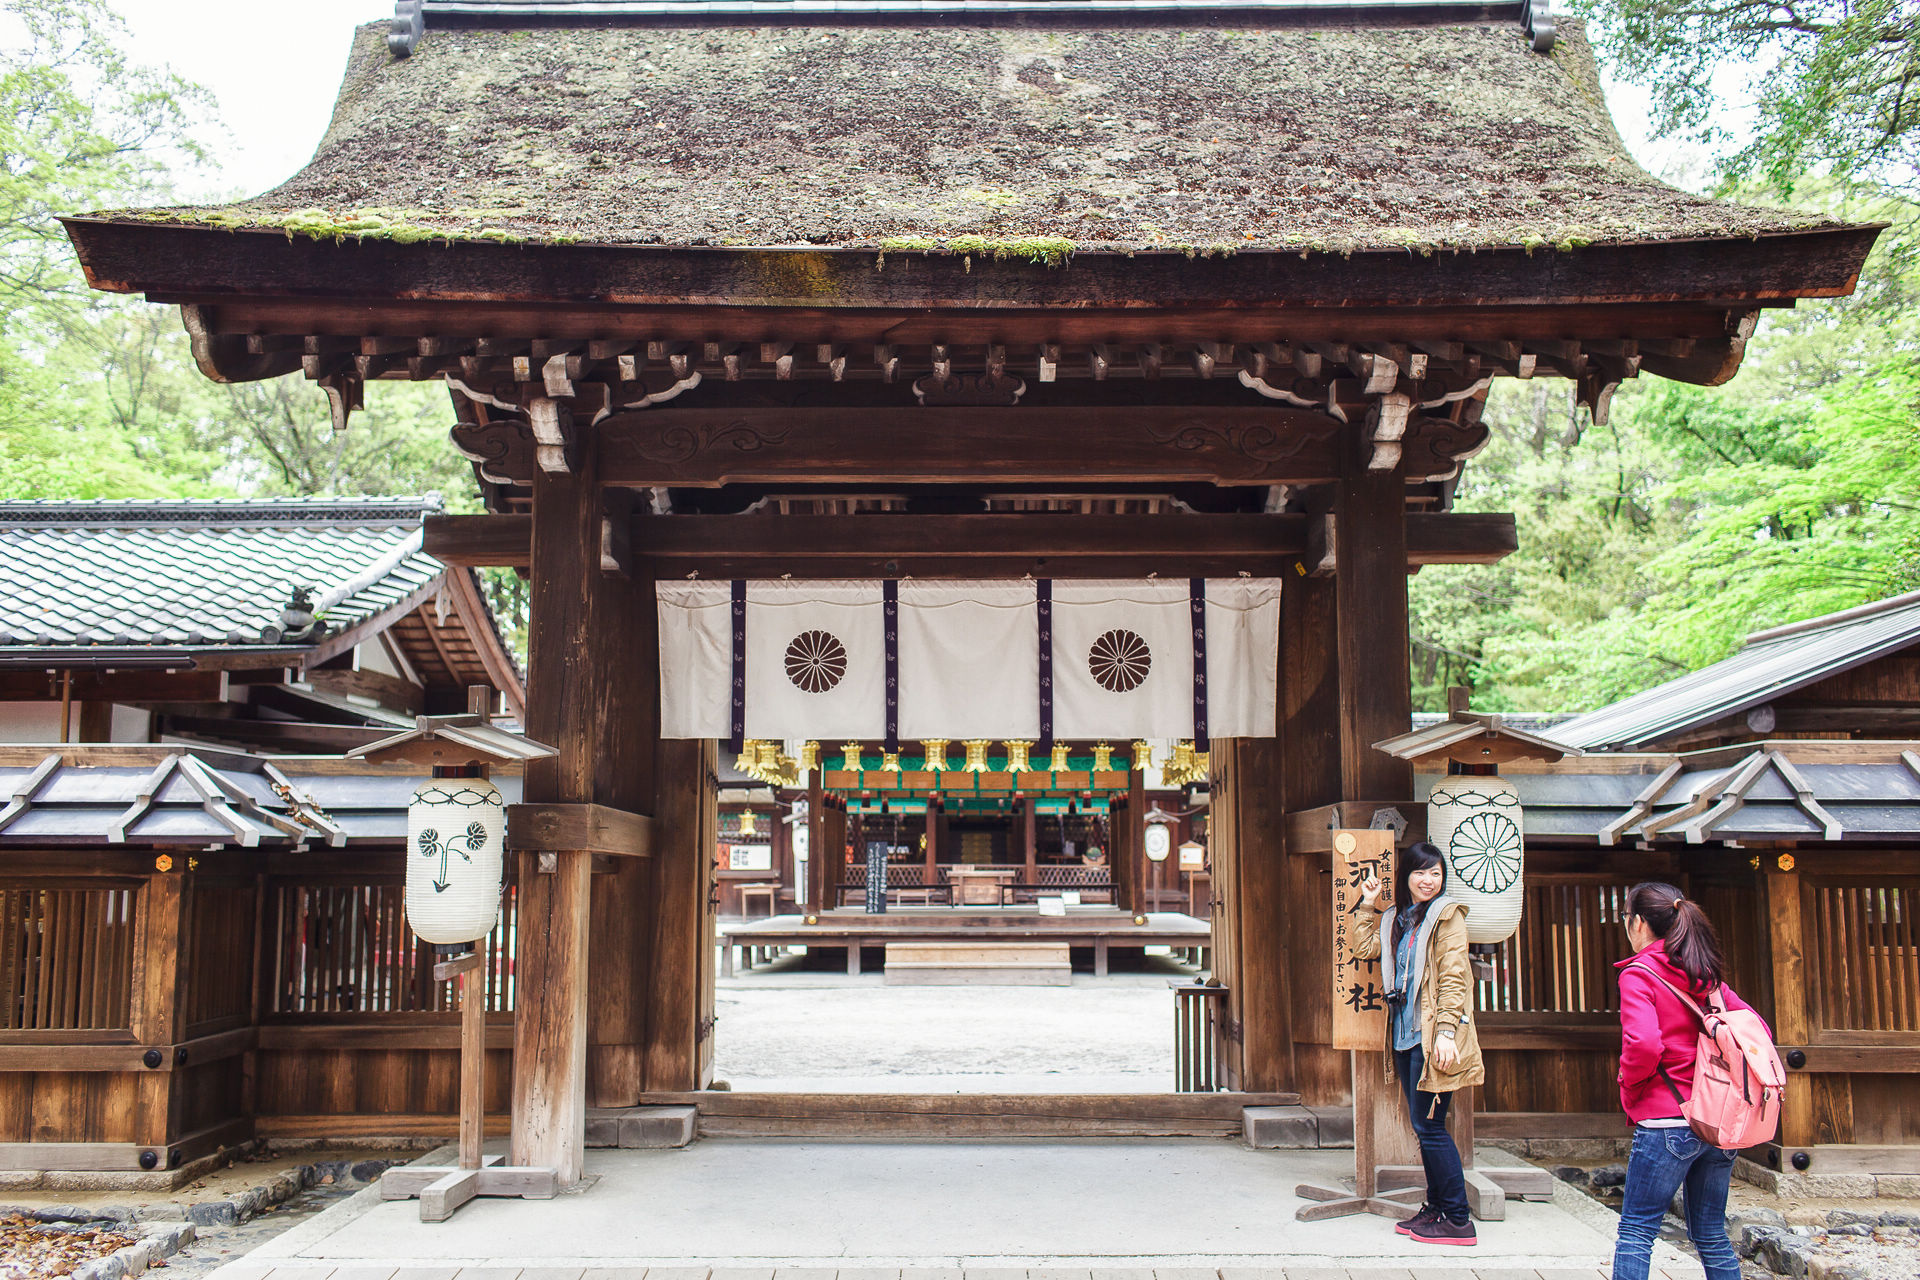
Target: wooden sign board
x: 1359, y: 1004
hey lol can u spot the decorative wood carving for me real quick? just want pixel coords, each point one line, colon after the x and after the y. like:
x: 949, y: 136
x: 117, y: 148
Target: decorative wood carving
x: 1258, y: 442
x: 1386, y: 426
x: 345, y: 393
x: 677, y: 443
x: 969, y: 388
x: 501, y: 450
x: 1304, y: 392
x: 1433, y: 448
x: 554, y: 435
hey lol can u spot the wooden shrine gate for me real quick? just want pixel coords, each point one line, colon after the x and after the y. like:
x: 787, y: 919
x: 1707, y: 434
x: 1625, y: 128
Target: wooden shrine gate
x: 797, y: 364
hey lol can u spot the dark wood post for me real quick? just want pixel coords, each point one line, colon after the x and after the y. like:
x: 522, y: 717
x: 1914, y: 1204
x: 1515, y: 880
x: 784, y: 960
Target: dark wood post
x: 1136, y: 841
x: 1029, y: 839
x: 823, y: 873
x: 1376, y: 701
x: 932, y: 872
x: 1791, y: 1026
x: 164, y: 908
x: 593, y: 684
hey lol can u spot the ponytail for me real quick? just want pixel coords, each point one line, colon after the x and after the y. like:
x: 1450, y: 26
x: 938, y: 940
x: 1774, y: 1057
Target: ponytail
x: 1685, y: 930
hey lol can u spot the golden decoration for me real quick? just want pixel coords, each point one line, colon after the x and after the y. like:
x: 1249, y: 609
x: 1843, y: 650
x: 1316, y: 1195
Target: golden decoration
x: 746, y: 822
x: 977, y: 754
x: 935, y: 752
x: 1785, y: 862
x: 163, y: 863
x: 809, y: 757
x: 1017, y: 761
x: 1060, y: 763
x: 890, y: 762
x: 1142, y: 755
x: 850, y: 752
x: 1103, y: 757
x: 745, y: 762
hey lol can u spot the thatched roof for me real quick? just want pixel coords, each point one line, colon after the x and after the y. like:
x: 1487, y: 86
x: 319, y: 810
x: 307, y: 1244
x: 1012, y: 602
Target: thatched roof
x: 1039, y: 139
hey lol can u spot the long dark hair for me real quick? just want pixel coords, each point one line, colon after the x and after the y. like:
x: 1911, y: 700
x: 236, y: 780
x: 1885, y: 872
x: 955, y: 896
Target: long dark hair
x: 1418, y: 857
x: 1683, y: 927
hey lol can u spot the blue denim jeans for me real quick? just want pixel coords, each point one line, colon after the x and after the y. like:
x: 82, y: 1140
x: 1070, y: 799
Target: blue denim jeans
x: 1664, y: 1161
x: 1446, y: 1180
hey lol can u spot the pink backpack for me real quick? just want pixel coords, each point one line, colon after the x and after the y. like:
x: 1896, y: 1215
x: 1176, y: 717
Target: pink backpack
x: 1737, y: 1077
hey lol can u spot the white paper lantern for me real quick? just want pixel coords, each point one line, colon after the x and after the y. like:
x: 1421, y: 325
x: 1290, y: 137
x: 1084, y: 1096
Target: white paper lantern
x: 1475, y: 820
x: 456, y: 830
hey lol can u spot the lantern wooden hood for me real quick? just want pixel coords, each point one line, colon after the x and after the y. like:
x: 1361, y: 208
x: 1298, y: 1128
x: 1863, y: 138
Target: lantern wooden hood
x: 454, y: 741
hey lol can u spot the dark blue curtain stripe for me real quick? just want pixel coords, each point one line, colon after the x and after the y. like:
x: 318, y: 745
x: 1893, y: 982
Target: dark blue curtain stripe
x: 1197, y: 598
x: 737, y: 720
x: 890, y: 604
x: 1043, y: 599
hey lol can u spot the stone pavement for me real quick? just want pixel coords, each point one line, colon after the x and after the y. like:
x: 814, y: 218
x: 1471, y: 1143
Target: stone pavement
x: 789, y: 1210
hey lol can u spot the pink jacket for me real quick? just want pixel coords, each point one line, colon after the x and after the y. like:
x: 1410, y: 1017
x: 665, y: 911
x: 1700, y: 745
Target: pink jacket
x: 1658, y: 1030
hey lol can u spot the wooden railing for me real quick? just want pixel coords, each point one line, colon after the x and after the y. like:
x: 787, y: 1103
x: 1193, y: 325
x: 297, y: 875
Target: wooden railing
x: 346, y: 949
x: 1863, y: 953
x: 1197, y: 1033
x: 66, y: 958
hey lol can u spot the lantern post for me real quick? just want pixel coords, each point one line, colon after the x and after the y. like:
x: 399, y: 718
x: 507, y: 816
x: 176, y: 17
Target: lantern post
x: 456, y: 873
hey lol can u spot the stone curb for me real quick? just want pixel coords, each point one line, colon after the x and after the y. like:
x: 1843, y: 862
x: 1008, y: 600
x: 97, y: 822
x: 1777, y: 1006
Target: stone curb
x: 134, y: 1259
x: 246, y: 1205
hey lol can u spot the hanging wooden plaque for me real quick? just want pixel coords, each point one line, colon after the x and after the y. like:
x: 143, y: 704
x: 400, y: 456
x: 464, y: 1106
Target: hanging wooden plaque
x: 1359, y: 1004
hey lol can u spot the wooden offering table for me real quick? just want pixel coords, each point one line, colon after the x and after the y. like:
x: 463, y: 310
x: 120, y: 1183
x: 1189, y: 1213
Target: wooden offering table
x: 979, y: 886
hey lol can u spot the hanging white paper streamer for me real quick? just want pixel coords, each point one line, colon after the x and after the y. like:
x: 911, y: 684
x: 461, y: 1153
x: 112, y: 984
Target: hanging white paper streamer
x: 969, y: 660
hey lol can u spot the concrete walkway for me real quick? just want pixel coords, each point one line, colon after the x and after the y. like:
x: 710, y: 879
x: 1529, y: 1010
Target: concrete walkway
x: 740, y: 1210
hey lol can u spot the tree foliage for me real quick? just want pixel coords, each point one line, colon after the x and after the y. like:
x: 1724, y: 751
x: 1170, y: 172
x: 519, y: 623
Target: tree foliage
x: 1835, y: 84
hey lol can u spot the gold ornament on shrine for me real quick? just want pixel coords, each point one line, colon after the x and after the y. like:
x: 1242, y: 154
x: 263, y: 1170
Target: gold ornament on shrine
x: 977, y: 754
x: 746, y: 822
x: 1017, y: 756
x: 889, y: 762
x: 1181, y: 767
x: 809, y: 757
x: 850, y: 753
x: 1060, y: 763
x: 935, y: 752
x: 747, y: 761
x: 1103, y: 757
x: 1142, y: 755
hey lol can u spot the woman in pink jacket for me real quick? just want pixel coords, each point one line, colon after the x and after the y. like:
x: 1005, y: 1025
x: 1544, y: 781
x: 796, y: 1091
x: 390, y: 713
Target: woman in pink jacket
x: 1659, y: 1036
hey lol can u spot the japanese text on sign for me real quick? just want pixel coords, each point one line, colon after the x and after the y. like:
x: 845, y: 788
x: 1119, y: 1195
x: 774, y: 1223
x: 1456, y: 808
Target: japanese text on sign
x: 1359, y: 1004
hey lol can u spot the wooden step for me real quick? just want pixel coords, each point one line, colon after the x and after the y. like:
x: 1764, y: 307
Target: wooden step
x: 934, y: 1117
x: 964, y: 964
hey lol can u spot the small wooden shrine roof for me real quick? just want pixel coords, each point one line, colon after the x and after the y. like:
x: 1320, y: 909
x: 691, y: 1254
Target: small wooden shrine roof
x: 210, y: 583
x: 1772, y: 663
x: 178, y: 797
x: 1781, y: 790
x: 1299, y: 129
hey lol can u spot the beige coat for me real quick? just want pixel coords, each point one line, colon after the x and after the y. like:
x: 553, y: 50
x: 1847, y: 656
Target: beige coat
x: 1446, y: 996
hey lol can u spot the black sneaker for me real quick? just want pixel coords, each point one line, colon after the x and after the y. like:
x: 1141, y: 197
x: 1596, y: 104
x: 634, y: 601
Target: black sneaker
x: 1442, y: 1231
x: 1406, y: 1225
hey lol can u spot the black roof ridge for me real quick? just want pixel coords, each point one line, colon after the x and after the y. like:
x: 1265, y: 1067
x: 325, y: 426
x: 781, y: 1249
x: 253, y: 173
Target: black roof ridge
x: 86, y: 513
x: 413, y: 17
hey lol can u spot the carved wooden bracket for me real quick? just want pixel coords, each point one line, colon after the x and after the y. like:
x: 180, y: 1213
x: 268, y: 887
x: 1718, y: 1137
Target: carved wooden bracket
x: 345, y: 393
x: 556, y: 441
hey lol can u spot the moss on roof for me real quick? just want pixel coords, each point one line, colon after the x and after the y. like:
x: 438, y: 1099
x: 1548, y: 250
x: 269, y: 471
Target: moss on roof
x: 981, y: 139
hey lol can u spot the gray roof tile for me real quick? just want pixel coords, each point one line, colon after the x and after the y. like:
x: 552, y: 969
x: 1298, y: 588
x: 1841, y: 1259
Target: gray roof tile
x: 199, y: 573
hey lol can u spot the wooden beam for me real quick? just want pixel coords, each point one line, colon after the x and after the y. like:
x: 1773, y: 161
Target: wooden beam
x: 127, y: 257
x: 970, y: 545
x: 596, y: 828
x: 126, y: 686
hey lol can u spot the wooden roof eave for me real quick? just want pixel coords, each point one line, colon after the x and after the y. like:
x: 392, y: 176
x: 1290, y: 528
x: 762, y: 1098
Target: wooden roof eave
x: 418, y: 289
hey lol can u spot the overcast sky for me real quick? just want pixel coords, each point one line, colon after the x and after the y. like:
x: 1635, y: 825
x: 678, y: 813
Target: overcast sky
x: 275, y: 66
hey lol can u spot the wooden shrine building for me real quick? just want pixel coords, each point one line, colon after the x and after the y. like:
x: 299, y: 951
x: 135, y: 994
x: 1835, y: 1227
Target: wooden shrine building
x: 1055, y: 291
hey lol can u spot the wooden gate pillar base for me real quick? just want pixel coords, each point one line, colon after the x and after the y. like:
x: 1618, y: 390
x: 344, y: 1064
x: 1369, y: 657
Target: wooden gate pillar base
x: 442, y: 1189
x: 1342, y: 1202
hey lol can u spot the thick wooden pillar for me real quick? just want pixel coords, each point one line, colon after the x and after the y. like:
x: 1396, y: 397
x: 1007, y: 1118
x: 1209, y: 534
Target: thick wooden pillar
x: 1376, y: 701
x: 593, y: 688
x: 1029, y: 839
x: 1791, y: 1024
x: 1262, y: 916
x: 1135, y: 845
x: 165, y: 900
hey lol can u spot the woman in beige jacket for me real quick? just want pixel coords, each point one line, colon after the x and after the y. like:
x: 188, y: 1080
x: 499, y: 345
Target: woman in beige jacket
x: 1431, y: 1043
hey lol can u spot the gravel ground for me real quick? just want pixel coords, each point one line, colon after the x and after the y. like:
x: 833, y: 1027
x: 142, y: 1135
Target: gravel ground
x: 785, y: 1027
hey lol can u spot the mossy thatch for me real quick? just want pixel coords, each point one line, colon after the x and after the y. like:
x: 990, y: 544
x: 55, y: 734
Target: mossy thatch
x: 1009, y: 142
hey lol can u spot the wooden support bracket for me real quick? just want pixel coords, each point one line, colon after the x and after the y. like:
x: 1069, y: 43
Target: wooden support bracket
x: 441, y: 1189
x: 591, y: 828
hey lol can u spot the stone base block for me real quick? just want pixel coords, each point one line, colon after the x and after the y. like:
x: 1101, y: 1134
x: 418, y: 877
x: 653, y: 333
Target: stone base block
x: 1268, y: 1128
x: 636, y: 1128
x: 1336, y: 1125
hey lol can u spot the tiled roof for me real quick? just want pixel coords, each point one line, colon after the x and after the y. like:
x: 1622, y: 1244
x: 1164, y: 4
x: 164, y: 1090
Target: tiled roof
x: 197, y: 574
x: 1773, y: 663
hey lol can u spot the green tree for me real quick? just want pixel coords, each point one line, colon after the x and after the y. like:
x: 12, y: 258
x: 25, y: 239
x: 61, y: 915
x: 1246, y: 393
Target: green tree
x: 1833, y: 82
